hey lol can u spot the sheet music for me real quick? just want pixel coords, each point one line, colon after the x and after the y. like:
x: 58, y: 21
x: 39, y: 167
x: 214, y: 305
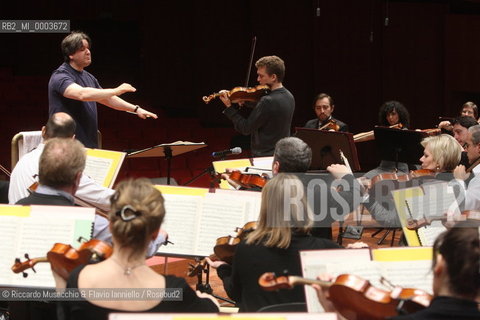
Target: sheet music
x: 195, y: 222
x: 438, y: 199
x: 408, y: 274
x: 181, y: 222
x: 97, y: 168
x: 36, y: 234
x: 314, y: 262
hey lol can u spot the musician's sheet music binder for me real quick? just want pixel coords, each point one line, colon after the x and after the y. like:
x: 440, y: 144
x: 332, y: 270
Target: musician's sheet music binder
x: 103, y: 166
x: 406, y: 267
x: 195, y: 218
x: 326, y: 146
x: 34, y: 230
x: 433, y: 199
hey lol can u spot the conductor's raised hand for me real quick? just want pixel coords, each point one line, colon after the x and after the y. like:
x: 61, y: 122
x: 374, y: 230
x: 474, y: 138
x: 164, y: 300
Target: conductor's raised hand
x: 144, y: 114
x: 124, y: 87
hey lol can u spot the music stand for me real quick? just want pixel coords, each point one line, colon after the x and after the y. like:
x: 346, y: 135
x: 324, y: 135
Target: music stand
x: 167, y: 150
x: 399, y: 145
x: 326, y: 146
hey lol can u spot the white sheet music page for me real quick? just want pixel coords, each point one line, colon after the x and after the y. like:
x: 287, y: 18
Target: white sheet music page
x: 181, y: 221
x: 97, y: 168
x: 36, y: 235
x: 315, y: 262
x: 438, y: 199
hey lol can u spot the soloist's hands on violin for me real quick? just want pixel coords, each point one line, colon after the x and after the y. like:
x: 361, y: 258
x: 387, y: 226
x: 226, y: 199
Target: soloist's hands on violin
x: 214, y: 264
x: 338, y: 170
x: 460, y: 173
x: 226, y: 99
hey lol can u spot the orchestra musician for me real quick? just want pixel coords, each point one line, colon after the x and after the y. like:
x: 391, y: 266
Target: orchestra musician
x: 391, y: 113
x: 469, y: 109
x: 62, y: 125
x: 271, y: 118
x: 293, y: 155
x: 460, y: 133
x: 472, y: 146
x: 323, y: 106
x: 456, y: 277
x: 441, y: 155
x: 273, y: 246
x: 136, y: 215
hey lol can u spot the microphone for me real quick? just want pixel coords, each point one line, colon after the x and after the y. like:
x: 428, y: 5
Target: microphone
x: 219, y: 154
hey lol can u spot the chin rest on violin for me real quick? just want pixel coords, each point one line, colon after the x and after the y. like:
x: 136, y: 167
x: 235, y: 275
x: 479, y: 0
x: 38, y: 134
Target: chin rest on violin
x: 241, y: 94
x: 64, y: 258
x: 354, y: 297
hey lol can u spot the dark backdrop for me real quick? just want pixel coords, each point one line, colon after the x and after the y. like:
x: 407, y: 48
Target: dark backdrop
x: 175, y: 52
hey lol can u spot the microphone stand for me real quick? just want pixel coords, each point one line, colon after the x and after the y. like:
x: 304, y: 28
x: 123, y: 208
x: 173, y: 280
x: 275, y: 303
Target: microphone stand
x: 211, y: 172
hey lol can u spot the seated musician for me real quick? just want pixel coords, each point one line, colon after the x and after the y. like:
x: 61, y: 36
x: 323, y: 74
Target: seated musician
x: 461, y: 173
x: 62, y: 125
x: 469, y: 109
x: 323, y: 106
x: 135, y: 217
x: 273, y: 247
x: 441, y: 155
x: 456, y: 277
x: 293, y: 155
x: 391, y: 113
x: 460, y: 133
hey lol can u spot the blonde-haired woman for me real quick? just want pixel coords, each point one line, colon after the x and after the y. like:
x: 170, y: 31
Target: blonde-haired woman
x: 282, y: 231
x: 136, y: 214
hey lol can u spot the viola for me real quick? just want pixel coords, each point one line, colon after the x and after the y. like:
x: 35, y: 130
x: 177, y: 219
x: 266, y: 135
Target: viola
x: 331, y: 125
x: 63, y: 258
x: 248, y: 180
x: 237, y: 94
x: 224, y: 249
x: 402, y: 178
x: 447, y: 219
x: 354, y: 297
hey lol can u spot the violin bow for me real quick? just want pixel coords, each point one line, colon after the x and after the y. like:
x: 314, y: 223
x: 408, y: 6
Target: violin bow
x: 252, y: 53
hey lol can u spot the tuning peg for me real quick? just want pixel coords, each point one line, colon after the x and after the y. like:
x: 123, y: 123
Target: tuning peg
x: 17, y: 260
x: 24, y: 274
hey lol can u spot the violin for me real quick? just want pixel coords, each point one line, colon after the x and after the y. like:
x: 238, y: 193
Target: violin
x: 331, y: 125
x: 402, y: 178
x: 370, y: 135
x: 447, y: 219
x: 354, y: 297
x: 224, y: 249
x: 248, y: 180
x: 64, y: 258
x: 252, y: 94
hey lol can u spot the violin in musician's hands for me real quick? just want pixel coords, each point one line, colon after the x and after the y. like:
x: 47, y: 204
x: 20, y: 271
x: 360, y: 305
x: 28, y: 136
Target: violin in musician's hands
x: 239, y: 95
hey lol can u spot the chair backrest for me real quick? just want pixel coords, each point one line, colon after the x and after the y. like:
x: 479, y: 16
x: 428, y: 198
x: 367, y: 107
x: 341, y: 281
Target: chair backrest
x: 285, y: 307
x: 25, y: 141
x: 22, y: 143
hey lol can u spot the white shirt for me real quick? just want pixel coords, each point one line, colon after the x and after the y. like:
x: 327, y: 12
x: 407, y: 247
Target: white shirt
x: 472, y: 194
x: 22, y: 178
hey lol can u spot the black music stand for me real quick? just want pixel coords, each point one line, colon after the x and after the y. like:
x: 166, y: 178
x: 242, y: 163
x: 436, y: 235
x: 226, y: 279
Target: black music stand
x: 326, y: 146
x: 399, y: 145
x: 167, y: 150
